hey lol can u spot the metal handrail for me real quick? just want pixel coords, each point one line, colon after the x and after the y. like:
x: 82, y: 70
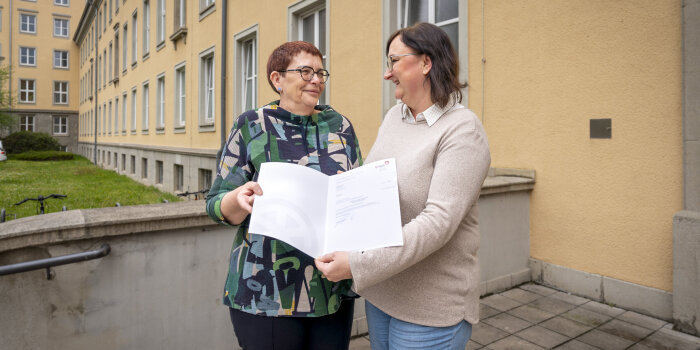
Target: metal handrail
x: 55, y: 261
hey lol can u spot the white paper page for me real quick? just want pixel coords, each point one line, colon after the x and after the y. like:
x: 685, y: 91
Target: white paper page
x: 292, y: 207
x: 363, y: 210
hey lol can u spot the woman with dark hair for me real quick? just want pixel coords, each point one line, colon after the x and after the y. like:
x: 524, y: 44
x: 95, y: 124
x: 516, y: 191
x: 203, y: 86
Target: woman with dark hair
x: 276, y: 297
x: 424, y: 294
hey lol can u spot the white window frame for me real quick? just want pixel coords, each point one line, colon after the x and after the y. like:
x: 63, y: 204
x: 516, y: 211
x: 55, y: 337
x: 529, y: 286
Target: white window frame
x: 181, y: 15
x: 27, y: 91
x: 27, y: 122
x: 109, y: 118
x: 60, y: 59
x: 145, y: 105
x: 297, y: 13
x: 125, y: 45
x: 160, y: 104
x: 180, y: 92
x: 59, y: 29
x: 242, y: 75
x: 160, y: 22
x: 60, y: 90
x: 134, y: 38
x: 124, y: 104
x: 146, y: 35
x: 207, y: 87
x: 61, y: 2
x: 110, y: 67
x: 27, y: 26
x: 27, y: 56
x: 133, y: 110
x: 116, y: 114
x: 62, y: 125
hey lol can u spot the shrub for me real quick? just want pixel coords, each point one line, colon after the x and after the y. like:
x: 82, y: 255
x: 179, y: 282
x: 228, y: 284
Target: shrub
x: 43, y: 156
x: 24, y: 141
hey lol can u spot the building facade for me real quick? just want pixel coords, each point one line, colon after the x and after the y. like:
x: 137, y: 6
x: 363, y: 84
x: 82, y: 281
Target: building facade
x: 35, y: 43
x: 162, y: 81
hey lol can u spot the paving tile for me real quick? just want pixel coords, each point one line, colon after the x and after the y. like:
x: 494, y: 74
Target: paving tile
x: 575, y: 345
x: 360, y: 343
x: 639, y: 346
x: 472, y: 345
x: 668, y: 339
x: 642, y: 320
x: 536, y: 288
x: 625, y: 330
x: 569, y: 298
x: 585, y: 316
x: 521, y: 295
x: 508, y: 323
x: 542, y: 336
x: 604, y: 340
x: 485, y: 334
x: 531, y: 314
x: 500, y: 302
x: 566, y: 327
x: 486, y: 311
x: 512, y: 343
x: 552, y: 305
x: 603, y: 308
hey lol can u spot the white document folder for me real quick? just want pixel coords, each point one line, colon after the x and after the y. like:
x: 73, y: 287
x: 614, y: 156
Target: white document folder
x: 319, y: 214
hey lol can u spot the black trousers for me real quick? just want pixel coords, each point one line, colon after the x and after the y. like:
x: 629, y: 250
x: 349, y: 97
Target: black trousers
x: 330, y: 332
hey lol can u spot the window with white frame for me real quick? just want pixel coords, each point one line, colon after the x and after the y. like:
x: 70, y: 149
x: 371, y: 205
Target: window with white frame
x: 180, y: 96
x: 125, y: 43
x: 442, y: 13
x: 134, y: 38
x: 116, y: 55
x: 60, y: 27
x: 205, y: 4
x: 26, y: 123
x: 99, y: 76
x: 27, y: 91
x: 60, y: 125
x: 160, y: 104
x: 146, y: 27
x: 109, y: 118
x: 110, y: 67
x: 179, y: 176
x: 60, y: 92
x: 60, y: 59
x: 104, y: 68
x: 246, y: 70
x: 61, y: 2
x: 27, y: 56
x: 111, y: 8
x: 311, y: 27
x: 206, y: 87
x: 160, y: 22
x: 116, y: 115
x: 104, y: 118
x: 123, y: 113
x: 144, y: 107
x: 27, y: 23
x: 133, y: 110
x: 179, y: 14
x: 104, y: 23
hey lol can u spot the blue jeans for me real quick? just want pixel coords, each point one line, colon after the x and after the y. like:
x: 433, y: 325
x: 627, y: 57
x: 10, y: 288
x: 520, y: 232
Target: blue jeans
x: 386, y: 332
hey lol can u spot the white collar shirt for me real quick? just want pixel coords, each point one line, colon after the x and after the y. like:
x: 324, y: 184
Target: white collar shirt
x: 430, y: 115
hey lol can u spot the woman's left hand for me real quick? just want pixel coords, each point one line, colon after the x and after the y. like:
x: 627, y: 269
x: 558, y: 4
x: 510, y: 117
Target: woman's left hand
x: 334, y: 266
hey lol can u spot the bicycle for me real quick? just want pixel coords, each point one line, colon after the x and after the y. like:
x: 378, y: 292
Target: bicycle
x: 195, y: 193
x: 41, y: 200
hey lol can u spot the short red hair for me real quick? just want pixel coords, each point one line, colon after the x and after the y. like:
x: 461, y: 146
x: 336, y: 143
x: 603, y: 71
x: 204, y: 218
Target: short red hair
x: 279, y: 58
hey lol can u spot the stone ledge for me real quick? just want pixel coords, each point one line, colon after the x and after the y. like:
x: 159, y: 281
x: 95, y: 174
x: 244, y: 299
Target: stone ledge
x: 101, y: 222
x: 500, y: 180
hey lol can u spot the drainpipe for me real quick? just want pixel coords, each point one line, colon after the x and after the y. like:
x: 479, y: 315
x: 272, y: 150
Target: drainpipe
x: 224, y: 23
x: 9, y: 64
x: 96, y: 36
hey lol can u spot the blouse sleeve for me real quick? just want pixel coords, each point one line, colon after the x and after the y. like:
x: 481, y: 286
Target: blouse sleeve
x: 233, y: 169
x: 462, y: 161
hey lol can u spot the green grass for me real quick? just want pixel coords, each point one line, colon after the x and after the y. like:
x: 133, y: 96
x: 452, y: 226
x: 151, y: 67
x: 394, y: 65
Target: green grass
x: 86, y: 186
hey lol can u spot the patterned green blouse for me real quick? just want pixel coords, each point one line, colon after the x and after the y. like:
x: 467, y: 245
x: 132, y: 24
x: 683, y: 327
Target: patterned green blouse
x: 267, y: 276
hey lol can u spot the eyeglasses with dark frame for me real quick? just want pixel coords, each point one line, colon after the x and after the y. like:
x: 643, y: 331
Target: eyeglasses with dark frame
x: 390, y: 59
x: 307, y: 73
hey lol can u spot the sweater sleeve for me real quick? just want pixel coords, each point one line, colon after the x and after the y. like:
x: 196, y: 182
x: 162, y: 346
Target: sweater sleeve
x: 462, y: 161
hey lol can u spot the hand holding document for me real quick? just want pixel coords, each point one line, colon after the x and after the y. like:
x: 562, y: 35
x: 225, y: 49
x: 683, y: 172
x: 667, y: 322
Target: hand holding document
x: 319, y: 214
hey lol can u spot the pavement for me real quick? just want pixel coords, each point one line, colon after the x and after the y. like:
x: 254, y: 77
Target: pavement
x: 533, y: 317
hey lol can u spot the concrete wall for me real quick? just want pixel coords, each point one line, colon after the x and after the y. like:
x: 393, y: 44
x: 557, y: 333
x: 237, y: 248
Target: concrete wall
x: 161, y: 285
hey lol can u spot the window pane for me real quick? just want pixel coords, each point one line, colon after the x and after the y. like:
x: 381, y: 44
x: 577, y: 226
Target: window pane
x: 451, y: 30
x: 308, y: 29
x: 445, y: 9
x: 322, y: 31
x: 415, y: 11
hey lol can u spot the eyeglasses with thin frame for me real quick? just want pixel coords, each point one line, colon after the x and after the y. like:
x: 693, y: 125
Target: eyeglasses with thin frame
x: 390, y: 60
x: 307, y: 73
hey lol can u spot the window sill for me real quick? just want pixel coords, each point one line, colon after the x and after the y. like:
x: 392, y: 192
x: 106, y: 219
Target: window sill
x: 204, y: 12
x: 160, y: 46
x: 180, y: 130
x: 180, y: 33
x: 146, y: 56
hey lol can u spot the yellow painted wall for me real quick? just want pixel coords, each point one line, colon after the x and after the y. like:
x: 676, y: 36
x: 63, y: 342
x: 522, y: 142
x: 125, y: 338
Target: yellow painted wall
x: 600, y: 206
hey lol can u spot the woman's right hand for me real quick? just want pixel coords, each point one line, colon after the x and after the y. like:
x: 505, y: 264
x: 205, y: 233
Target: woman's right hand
x: 237, y: 204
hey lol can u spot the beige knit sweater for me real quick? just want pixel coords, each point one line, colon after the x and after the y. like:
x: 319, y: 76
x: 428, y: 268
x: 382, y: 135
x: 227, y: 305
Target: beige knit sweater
x: 433, y: 279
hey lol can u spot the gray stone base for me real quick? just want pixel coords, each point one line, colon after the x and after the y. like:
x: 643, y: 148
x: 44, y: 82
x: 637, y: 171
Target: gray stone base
x: 645, y: 300
x: 686, y: 271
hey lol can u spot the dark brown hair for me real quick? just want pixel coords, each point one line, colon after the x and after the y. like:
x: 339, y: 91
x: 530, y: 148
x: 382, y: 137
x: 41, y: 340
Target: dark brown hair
x: 426, y: 38
x: 279, y: 58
